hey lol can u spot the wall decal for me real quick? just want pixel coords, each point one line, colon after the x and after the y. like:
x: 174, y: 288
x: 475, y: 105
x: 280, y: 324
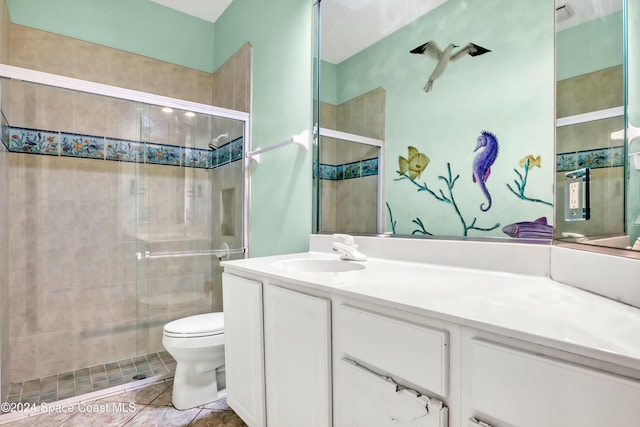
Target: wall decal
x: 414, y: 165
x: 431, y: 49
x: 528, y: 162
x: 538, y: 229
x: 391, y: 220
x: 450, y: 182
x: 482, y: 163
x: 421, y: 230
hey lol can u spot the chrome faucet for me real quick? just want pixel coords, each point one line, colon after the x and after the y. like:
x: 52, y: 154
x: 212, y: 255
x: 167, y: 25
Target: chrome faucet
x: 348, y: 249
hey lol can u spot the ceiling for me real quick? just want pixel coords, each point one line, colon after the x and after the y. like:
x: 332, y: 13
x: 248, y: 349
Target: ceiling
x: 209, y: 10
x: 348, y: 26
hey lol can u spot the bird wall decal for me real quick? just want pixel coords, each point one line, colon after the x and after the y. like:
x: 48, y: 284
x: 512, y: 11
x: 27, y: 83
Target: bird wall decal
x: 431, y: 49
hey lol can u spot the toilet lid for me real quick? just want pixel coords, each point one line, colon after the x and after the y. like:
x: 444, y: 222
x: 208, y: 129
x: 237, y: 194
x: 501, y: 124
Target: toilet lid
x: 198, y: 325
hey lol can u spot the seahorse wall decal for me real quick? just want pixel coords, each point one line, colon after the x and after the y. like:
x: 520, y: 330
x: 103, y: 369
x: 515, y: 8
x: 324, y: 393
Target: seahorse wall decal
x: 482, y: 163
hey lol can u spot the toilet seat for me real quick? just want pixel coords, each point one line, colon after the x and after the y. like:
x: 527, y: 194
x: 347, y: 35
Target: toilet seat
x: 200, y: 325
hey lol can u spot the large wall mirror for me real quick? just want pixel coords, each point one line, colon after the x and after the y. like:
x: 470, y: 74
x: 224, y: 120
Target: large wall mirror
x: 597, y: 174
x: 457, y: 100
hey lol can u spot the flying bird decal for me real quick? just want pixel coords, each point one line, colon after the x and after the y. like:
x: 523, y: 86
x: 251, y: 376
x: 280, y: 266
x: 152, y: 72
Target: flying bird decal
x: 444, y: 57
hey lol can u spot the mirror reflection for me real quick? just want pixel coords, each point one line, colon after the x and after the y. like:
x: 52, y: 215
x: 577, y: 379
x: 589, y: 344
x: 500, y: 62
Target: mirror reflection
x: 595, y: 174
x: 459, y: 95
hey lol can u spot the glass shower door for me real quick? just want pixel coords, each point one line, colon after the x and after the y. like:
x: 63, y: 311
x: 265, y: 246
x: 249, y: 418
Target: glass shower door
x: 189, y: 217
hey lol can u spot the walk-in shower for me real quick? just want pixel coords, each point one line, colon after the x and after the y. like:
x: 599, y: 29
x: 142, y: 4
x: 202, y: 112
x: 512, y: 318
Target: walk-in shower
x: 119, y: 207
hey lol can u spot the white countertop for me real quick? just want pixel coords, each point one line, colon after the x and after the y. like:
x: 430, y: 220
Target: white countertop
x: 532, y: 308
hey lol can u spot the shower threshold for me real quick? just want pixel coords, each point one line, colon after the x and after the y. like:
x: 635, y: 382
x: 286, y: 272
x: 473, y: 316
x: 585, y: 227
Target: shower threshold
x: 88, y: 380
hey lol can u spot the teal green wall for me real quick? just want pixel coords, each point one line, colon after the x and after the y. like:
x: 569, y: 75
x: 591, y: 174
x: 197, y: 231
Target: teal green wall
x: 509, y: 91
x: 328, y: 82
x: 138, y: 26
x: 281, y: 107
x: 589, y: 47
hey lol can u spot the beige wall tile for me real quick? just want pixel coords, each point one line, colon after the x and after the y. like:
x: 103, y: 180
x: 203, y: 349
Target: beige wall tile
x: 90, y: 63
x: 590, y: 92
x: 19, y: 103
x: 4, y: 33
x: 56, y: 266
x: 91, y: 114
x: 23, y: 358
x: 56, y: 54
x: 55, y: 109
x: 24, y: 46
x: 231, y: 82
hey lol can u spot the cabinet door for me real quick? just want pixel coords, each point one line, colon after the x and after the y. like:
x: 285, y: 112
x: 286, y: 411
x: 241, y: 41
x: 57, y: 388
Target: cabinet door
x: 518, y: 388
x: 297, y: 358
x: 244, y: 357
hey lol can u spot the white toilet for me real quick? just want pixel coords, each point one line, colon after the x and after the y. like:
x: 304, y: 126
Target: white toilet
x: 197, y: 345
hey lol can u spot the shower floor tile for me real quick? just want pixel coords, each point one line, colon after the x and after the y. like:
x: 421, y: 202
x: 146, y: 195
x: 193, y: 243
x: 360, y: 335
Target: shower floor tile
x: 86, y: 380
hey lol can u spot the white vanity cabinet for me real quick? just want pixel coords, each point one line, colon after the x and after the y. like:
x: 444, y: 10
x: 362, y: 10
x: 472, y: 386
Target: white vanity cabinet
x: 507, y: 386
x: 277, y: 354
x: 388, y: 371
x: 243, y: 347
x: 297, y: 343
x: 379, y: 349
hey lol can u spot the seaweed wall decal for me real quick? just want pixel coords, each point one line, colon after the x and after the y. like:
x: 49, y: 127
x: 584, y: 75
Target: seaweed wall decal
x: 421, y: 230
x: 450, y: 182
x: 393, y: 222
x: 528, y: 162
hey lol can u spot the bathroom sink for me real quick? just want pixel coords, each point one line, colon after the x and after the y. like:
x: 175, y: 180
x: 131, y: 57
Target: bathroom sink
x: 318, y: 265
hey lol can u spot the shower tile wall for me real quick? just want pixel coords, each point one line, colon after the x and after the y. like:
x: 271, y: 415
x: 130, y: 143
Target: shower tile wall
x: 232, y: 81
x: 53, y: 53
x: 350, y: 205
x: 73, y: 221
x: 589, y: 144
x: 4, y: 274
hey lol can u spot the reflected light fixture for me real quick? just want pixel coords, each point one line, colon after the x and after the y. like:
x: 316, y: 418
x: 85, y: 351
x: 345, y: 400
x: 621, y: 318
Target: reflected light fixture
x: 190, y: 114
x: 167, y: 110
x: 563, y: 12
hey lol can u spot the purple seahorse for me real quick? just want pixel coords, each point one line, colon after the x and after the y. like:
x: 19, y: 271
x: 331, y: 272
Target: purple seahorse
x: 483, y: 161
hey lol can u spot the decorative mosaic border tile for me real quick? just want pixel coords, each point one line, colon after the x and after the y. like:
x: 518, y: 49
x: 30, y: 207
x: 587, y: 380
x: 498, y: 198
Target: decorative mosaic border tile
x: 36, y: 141
x: 158, y: 154
x: 197, y: 158
x: 594, y: 159
x: 121, y: 150
x: 78, y: 145
x: 236, y: 149
x: 223, y: 154
x: 349, y: 170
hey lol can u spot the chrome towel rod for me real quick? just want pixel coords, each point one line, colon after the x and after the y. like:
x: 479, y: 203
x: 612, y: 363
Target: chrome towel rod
x: 302, y: 140
x: 220, y: 253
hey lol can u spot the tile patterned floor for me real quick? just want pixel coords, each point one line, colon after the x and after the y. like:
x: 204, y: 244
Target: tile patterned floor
x: 82, y: 381
x: 148, y: 406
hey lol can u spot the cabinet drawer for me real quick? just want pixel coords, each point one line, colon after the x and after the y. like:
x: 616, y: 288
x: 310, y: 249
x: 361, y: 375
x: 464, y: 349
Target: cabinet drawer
x: 528, y: 390
x: 365, y: 399
x: 403, y: 349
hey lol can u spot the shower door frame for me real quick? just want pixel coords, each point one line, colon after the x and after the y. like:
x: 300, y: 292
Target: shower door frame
x: 84, y: 86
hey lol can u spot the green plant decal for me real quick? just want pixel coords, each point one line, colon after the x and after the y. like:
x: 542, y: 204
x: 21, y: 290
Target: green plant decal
x: 393, y: 223
x: 450, y: 182
x: 528, y: 162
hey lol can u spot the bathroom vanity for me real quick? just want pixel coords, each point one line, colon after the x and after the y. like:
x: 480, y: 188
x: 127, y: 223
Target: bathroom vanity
x: 312, y: 340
